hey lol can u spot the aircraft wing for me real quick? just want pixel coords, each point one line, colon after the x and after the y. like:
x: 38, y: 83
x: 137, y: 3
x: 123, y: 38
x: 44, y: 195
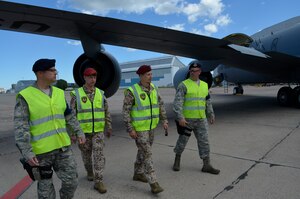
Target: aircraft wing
x: 64, y: 24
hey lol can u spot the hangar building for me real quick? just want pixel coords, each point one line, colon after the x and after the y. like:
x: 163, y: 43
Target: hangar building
x: 163, y: 71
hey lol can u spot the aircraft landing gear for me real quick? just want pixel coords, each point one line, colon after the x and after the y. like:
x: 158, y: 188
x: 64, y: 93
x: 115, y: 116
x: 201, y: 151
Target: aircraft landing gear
x: 238, y: 90
x: 296, y: 96
x: 287, y: 96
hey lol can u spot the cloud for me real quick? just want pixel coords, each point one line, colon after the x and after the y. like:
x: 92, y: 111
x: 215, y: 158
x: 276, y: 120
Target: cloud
x: 179, y: 27
x: 131, y: 49
x: 128, y: 6
x: 74, y: 43
x: 211, y: 28
x: 210, y: 13
x: 223, y: 20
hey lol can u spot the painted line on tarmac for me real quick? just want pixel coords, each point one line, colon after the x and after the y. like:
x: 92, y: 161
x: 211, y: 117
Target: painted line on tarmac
x: 17, y: 190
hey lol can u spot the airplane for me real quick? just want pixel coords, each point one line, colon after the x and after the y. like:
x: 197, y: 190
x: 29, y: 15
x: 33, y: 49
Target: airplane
x: 269, y: 56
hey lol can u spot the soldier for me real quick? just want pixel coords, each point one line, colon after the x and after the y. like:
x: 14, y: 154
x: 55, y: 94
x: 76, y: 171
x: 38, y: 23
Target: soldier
x: 142, y: 109
x: 191, y: 104
x: 91, y: 107
x: 40, y: 119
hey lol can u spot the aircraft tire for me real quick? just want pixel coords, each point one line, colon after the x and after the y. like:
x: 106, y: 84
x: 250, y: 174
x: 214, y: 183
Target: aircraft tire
x: 284, y: 96
x: 238, y: 90
x: 296, y: 96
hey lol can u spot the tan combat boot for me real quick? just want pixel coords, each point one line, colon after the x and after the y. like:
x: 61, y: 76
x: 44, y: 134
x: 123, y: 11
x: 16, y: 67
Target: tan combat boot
x: 140, y: 177
x: 90, y: 176
x: 207, y: 168
x: 176, y: 166
x: 155, y: 188
x: 99, y: 186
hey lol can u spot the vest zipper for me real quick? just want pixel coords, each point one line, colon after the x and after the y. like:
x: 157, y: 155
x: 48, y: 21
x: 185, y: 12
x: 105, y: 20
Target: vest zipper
x: 150, y: 110
x: 93, y: 117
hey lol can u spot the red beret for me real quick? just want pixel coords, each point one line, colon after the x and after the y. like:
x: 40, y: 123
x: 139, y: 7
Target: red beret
x: 89, y: 71
x: 143, y: 69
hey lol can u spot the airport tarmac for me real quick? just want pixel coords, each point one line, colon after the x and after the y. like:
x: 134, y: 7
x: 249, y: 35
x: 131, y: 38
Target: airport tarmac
x: 254, y: 142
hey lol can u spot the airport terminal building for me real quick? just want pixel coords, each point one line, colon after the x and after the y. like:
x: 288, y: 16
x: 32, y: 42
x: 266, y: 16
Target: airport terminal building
x: 163, y: 71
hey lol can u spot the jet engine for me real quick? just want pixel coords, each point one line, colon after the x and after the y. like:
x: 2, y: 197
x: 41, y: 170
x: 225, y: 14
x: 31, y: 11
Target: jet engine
x: 183, y: 73
x: 108, y: 71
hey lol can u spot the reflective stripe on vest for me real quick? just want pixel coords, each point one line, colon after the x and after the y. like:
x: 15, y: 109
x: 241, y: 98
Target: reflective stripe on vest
x: 90, y: 115
x: 145, y: 112
x: 46, y: 119
x: 195, y: 99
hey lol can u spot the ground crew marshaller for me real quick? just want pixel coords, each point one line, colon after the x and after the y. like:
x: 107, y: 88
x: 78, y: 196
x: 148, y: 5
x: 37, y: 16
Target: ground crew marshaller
x: 142, y: 110
x: 91, y: 107
x: 191, y: 105
x: 40, y: 119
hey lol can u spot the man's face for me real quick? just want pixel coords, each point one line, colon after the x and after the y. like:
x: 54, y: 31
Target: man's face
x: 195, y: 73
x: 146, y: 77
x: 49, y: 75
x: 90, y: 80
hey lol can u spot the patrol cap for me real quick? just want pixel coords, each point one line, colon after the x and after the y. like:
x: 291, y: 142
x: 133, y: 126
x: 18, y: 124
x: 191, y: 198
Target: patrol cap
x: 143, y: 69
x: 89, y: 72
x: 194, y: 64
x: 43, y: 65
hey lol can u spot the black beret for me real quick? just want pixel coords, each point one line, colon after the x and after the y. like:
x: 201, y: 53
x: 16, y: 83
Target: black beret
x: 194, y: 64
x: 43, y: 64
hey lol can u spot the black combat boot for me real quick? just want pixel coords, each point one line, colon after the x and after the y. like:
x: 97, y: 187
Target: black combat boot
x: 176, y: 166
x: 207, y: 168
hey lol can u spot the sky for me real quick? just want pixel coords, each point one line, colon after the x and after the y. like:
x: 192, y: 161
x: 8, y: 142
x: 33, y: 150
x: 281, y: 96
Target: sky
x: 214, y: 18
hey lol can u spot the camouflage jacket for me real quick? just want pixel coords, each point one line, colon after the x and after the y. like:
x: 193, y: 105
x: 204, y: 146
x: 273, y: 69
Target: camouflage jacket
x: 22, y: 128
x: 91, y: 94
x: 129, y: 102
x: 179, y: 100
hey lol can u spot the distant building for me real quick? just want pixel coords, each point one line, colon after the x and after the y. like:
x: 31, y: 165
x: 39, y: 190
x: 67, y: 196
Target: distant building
x: 163, y: 71
x: 2, y: 90
x: 21, y: 84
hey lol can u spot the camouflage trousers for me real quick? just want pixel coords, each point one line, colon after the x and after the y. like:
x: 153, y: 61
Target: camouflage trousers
x: 64, y: 165
x: 93, y: 156
x: 200, y: 129
x: 144, y: 162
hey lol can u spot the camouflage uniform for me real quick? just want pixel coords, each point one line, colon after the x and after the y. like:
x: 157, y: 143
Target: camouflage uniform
x: 144, y: 141
x: 61, y: 160
x: 199, y: 126
x: 94, y: 144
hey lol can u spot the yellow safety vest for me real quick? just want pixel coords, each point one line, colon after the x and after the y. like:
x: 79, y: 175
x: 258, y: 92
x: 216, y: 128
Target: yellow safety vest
x: 145, y: 112
x: 195, y: 99
x: 46, y: 119
x: 90, y: 115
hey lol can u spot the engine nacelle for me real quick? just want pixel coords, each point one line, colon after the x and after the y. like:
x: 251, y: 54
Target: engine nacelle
x: 183, y: 73
x: 108, y: 71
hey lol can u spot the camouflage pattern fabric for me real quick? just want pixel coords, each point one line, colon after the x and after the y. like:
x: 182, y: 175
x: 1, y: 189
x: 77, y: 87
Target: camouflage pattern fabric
x: 64, y: 165
x: 144, y: 162
x: 200, y: 129
x: 93, y: 156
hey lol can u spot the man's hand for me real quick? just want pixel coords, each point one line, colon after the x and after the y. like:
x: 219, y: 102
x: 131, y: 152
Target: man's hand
x: 165, y: 125
x: 133, y: 134
x: 183, y: 122
x: 212, y: 119
x: 73, y: 139
x: 108, y: 133
x: 81, y: 139
x: 33, y: 162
